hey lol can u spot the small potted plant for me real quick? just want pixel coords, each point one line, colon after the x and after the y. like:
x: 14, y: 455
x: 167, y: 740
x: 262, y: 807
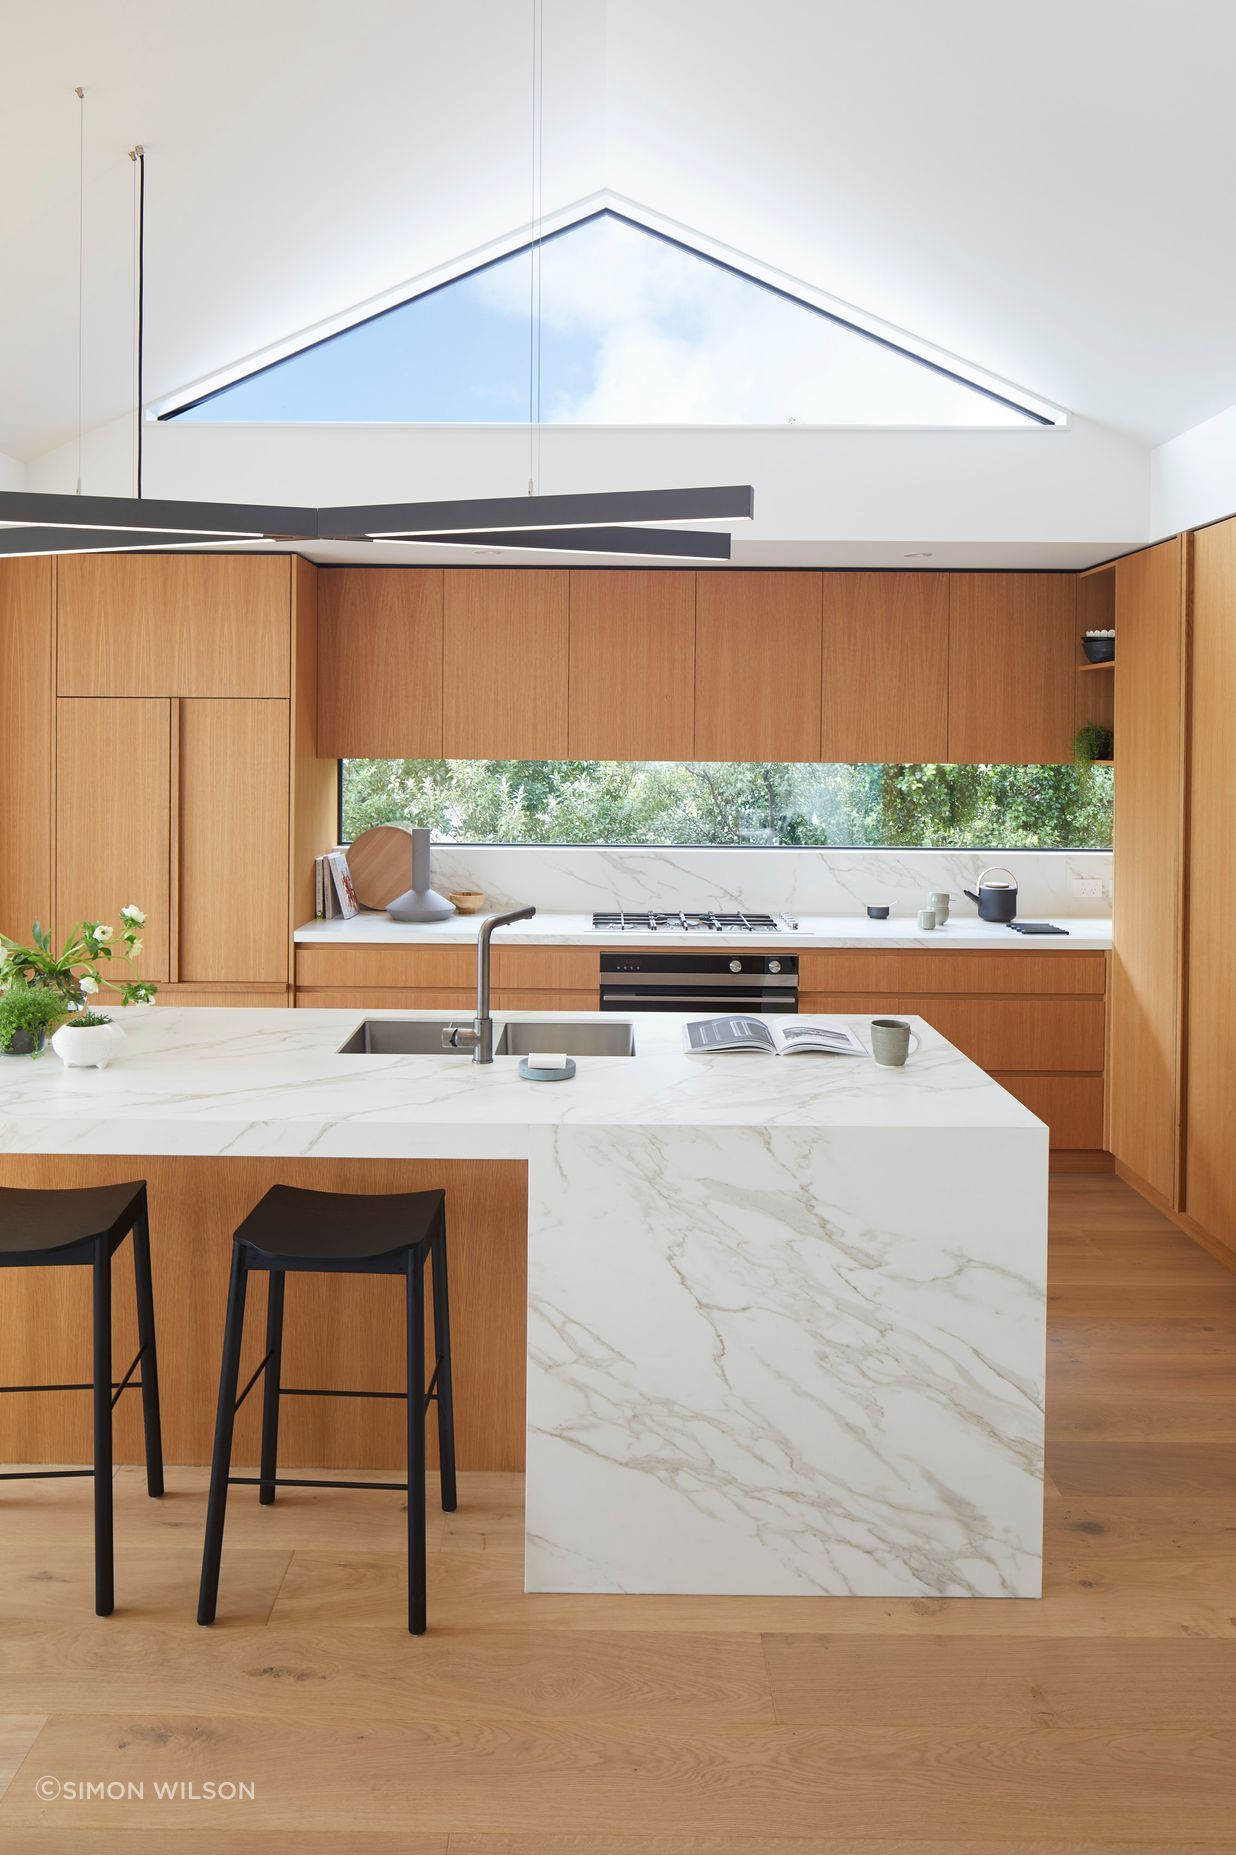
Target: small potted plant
x: 27, y: 1014
x: 1092, y: 743
x: 87, y: 1040
x: 67, y: 980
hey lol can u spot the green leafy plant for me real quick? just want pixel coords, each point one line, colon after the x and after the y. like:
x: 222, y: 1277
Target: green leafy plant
x: 27, y: 1014
x: 73, y: 973
x: 1092, y: 743
x: 89, y: 1020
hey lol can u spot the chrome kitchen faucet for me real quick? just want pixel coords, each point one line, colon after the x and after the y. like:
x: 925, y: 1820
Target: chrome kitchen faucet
x: 479, y: 1036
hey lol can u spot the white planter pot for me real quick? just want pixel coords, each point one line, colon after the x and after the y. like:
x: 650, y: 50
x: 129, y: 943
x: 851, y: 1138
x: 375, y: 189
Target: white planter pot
x: 89, y: 1048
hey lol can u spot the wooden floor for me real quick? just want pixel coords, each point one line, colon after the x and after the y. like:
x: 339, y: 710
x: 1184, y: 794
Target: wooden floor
x: 1102, y: 1718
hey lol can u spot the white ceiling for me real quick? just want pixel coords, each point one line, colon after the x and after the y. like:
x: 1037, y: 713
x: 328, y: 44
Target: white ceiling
x: 1043, y: 190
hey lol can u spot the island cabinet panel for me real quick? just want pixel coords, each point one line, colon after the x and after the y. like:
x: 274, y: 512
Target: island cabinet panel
x: 885, y: 667
x: 333, y: 1325
x: 1011, y: 667
x: 1148, y: 879
x: 380, y: 663
x: 27, y: 760
x: 173, y: 625
x: 114, y: 820
x: 1210, y: 1095
x: 230, y: 875
x: 632, y: 666
x: 504, y: 664
x: 757, y: 666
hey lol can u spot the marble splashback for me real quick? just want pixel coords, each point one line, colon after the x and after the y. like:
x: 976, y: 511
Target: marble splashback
x: 808, y: 882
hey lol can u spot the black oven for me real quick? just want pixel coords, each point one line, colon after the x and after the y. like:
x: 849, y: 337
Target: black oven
x: 697, y: 981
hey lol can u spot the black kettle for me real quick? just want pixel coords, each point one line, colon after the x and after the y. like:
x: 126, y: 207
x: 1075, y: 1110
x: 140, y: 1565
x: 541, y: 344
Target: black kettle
x: 997, y: 901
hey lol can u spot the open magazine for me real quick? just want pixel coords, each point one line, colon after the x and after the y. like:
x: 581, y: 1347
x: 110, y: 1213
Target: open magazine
x: 770, y: 1037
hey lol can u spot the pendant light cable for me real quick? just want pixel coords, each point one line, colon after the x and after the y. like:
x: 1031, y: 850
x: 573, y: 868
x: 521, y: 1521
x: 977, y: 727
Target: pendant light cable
x: 534, y: 272
x: 137, y: 156
x: 80, y: 94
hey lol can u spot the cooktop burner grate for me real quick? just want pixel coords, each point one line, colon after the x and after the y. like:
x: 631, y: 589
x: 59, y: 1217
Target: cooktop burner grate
x: 699, y: 921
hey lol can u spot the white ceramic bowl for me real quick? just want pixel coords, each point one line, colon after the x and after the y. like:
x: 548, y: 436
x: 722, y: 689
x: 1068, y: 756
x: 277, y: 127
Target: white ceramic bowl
x: 91, y: 1047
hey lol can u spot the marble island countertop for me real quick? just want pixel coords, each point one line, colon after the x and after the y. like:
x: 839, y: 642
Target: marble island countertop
x: 786, y: 1316
x: 962, y: 932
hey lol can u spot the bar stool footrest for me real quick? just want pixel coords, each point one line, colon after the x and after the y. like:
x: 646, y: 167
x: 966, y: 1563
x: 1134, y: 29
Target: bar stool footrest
x: 304, y: 1481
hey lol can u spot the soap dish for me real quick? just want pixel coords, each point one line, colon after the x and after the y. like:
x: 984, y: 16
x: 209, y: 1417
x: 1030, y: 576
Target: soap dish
x: 546, y: 1075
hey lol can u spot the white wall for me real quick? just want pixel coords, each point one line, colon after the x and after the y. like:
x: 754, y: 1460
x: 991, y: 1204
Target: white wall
x: 12, y: 474
x: 1193, y: 477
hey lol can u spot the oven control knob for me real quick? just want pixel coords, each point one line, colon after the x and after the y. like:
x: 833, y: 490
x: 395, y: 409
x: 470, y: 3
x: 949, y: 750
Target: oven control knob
x: 774, y: 966
x: 735, y: 966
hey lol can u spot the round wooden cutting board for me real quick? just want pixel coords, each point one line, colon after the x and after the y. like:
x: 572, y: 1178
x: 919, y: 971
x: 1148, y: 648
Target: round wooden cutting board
x: 381, y: 864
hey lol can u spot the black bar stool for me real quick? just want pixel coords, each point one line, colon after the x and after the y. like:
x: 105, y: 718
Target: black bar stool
x: 293, y: 1231
x: 61, y: 1229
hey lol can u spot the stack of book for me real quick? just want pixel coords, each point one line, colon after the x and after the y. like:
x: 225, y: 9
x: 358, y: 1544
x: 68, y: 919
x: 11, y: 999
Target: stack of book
x: 333, y: 894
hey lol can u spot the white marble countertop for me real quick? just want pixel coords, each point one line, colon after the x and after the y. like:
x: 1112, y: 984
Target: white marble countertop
x: 206, y: 1080
x: 900, y: 931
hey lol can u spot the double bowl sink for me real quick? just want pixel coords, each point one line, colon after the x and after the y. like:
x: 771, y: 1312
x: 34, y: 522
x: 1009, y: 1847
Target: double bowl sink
x: 423, y: 1037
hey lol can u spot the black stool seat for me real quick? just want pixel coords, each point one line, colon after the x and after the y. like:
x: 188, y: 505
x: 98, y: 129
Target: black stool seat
x: 86, y: 1226
x: 32, y: 1220
x: 315, y: 1228
x: 295, y: 1231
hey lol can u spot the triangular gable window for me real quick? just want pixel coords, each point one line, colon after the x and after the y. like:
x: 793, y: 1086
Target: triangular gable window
x: 635, y: 328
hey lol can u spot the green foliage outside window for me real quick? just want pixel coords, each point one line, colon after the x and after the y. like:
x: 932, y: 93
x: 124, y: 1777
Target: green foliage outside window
x: 708, y: 803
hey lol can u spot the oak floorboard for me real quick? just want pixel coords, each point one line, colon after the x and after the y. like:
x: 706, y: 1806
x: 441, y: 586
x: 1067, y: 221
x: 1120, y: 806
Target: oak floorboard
x: 799, y: 1845
x: 45, y: 1581
x: 18, y: 1732
x: 1139, y: 1468
x: 1075, y: 1417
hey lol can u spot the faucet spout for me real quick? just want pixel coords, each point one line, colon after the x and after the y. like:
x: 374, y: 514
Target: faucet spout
x: 481, y: 1035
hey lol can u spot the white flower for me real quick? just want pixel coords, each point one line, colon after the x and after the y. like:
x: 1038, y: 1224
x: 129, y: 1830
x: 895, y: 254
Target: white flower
x: 88, y: 985
x: 102, y: 933
x: 134, y: 915
x: 135, y: 948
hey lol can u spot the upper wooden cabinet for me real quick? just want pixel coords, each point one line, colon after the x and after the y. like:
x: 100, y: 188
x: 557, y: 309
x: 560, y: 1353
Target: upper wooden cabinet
x: 757, y: 666
x: 173, y: 625
x: 632, y: 666
x: 26, y: 760
x: 885, y: 667
x: 380, y: 663
x: 504, y: 664
x: 1210, y: 1084
x: 1011, y: 667
x: 1148, y: 866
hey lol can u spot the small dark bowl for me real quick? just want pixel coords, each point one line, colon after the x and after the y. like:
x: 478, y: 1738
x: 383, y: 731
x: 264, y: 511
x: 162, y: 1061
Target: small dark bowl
x: 1099, y: 650
x: 877, y: 914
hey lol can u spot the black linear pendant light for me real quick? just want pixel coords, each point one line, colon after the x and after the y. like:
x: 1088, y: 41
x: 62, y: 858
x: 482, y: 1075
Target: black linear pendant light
x: 615, y: 522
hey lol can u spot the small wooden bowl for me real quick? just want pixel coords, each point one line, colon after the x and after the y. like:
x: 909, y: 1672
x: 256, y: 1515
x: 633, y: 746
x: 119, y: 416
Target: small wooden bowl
x: 467, y: 901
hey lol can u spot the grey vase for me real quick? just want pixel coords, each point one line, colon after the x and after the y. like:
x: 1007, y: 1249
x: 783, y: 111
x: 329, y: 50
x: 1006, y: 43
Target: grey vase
x: 420, y: 902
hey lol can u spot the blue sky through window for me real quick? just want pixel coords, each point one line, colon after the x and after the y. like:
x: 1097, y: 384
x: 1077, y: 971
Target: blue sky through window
x: 636, y: 329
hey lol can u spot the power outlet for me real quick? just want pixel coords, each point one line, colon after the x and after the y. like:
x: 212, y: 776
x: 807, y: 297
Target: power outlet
x: 1089, y: 888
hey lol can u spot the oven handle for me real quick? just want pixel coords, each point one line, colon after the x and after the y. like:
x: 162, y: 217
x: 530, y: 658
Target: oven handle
x: 701, y: 999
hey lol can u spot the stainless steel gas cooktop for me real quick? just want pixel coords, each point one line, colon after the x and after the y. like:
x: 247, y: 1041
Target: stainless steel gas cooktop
x: 692, y: 921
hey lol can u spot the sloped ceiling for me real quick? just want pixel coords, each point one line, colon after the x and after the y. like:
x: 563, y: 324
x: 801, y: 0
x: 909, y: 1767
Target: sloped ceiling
x: 1044, y: 190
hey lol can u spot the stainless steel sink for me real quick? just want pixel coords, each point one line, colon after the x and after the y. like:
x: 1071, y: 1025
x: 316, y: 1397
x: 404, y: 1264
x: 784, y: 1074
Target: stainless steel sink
x: 401, y: 1037
x: 614, y: 1037
x: 423, y: 1037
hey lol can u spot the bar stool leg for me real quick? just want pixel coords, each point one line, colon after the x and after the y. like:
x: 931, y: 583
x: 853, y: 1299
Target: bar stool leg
x: 270, y: 1386
x: 150, y: 1360
x: 416, y: 1443
x: 445, y: 1389
x: 104, y: 1587
x: 225, y: 1420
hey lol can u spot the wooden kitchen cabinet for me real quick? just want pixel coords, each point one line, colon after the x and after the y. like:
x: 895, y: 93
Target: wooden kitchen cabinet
x: 1148, y: 879
x: 1011, y: 667
x: 885, y: 667
x: 173, y: 625
x: 113, y: 820
x: 230, y: 881
x: 26, y: 744
x: 632, y: 666
x: 504, y: 664
x: 380, y: 663
x: 757, y: 666
x: 1209, y: 1191
x: 182, y: 808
